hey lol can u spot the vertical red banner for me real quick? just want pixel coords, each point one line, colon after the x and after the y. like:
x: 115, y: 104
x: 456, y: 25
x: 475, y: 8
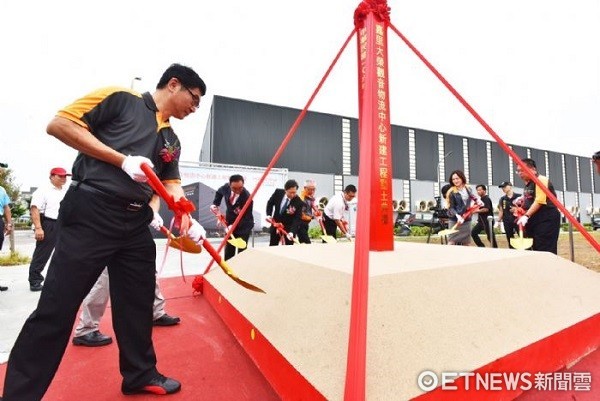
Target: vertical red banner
x: 374, y: 227
x: 374, y: 117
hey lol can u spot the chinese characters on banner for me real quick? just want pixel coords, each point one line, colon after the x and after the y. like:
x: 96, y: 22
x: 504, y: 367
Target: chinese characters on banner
x: 373, y: 57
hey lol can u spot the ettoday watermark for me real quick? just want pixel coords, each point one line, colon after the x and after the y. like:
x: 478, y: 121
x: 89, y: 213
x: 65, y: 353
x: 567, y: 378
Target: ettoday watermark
x: 505, y: 381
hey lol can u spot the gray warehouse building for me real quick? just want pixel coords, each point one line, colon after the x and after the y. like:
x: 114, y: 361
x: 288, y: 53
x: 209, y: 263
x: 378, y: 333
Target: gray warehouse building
x: 325, y: 148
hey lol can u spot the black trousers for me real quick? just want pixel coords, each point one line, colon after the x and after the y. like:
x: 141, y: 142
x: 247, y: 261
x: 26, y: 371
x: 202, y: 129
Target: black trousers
x: 303, y: 237
x: 1, y: 232
x: 230, y: 250
x: 544, y: 231
x: 43, y: 250
x: 330, y: 226
x: 94, y: 232
x: 478, y: 228
x: 510, y: 230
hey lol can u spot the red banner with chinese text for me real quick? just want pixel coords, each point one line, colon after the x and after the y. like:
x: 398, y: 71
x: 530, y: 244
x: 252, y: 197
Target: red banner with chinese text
x: 374, y: 117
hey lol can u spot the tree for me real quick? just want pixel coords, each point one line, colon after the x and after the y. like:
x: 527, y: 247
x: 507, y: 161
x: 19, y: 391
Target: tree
x: 8, y: 182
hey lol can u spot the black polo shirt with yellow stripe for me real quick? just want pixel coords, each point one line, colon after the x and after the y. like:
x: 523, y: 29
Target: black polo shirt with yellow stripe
x: 130, y: 123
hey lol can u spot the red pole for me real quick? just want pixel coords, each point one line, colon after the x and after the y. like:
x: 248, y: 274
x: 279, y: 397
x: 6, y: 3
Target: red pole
x: 374, y: 117
x: 370, y: 19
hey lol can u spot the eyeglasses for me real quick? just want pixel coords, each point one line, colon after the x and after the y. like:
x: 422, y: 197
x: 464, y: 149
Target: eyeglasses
x: 195, y: 98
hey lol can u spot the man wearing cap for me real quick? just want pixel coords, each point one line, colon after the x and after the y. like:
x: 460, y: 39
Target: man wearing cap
x: 505, y: 212
x: 103, y: 222
x: 541, y: 220
x: 45, y: 203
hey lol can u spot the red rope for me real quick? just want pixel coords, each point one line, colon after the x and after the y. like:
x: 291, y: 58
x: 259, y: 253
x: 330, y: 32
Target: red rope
x: 282, y: 147
x: 499, y: 140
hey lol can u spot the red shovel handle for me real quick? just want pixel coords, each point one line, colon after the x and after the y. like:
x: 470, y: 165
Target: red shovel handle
x: 157, y: 185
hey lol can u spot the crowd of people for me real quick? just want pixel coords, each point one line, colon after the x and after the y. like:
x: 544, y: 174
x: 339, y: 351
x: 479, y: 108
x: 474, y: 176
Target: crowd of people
x: 106, y: 210
x: 532, y: 212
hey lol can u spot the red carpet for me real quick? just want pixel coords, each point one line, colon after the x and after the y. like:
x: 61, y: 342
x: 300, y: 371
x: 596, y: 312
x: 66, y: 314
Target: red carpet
x: 200, y: 352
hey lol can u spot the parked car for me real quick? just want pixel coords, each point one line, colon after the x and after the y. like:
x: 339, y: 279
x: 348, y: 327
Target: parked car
x: 595, y: 222
x: 24, y: 219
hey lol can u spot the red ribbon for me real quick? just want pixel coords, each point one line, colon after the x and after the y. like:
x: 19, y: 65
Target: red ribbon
x: 379, y: 8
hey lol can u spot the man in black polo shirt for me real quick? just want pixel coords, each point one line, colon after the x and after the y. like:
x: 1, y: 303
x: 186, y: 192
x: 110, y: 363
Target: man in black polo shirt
x: 103, y: 221
x: 541, y: 220
x: 482, y: 218
x: 505, y: 211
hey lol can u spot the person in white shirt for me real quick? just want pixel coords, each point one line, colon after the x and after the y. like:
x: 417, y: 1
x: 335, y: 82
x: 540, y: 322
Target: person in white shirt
x: 45, y: 203
x: 335, y: 214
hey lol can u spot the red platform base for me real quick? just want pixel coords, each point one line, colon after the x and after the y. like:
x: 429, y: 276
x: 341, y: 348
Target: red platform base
x: 200, y: 352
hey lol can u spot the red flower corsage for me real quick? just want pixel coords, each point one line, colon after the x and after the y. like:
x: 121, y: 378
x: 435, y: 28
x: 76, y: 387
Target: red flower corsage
x: 169, y: 152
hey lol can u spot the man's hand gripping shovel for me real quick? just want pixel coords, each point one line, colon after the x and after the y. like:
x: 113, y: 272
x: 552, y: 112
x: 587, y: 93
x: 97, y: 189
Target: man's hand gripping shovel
x: 520, y: 242
x: 472, y: 210
x: 237, y: 242
x: 182, y: 209
x: 281, y: 231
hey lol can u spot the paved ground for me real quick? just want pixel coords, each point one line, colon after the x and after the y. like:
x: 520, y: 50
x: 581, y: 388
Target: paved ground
x: 18, y: 302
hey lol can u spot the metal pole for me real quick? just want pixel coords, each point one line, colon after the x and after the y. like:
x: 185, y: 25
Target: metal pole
x: 572, y: 249
x: 490, y: 220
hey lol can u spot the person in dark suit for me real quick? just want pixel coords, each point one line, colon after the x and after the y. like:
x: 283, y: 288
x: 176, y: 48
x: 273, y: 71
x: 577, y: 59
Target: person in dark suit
x: 235, y: 196
x: 285, y: 206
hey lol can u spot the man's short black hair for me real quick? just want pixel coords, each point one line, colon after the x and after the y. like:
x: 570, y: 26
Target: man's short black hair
x: 290, y: 184
x: 185, y: 75
x: 445, y: 189
x: 482, y: 187
x: 350, y: 188
x: 236, y: 178
x: 530, y: 163
x: 596, y: 156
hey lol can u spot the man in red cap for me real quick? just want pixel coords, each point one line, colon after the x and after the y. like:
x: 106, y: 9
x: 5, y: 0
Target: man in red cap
x: 45, y: 203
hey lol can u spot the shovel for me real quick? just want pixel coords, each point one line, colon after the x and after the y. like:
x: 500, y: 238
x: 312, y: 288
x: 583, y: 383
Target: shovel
x: 158, y: 186
x: 327, y: 238
x: 282, y: 233
x: 183, y: 243
x: 473, y: 209
x: 237, y: 242
x: 319, y: 215
x: 520, y: 242
x: 225, y: 267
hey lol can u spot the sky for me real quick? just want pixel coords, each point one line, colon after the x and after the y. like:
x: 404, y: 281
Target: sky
x: 531, y: 69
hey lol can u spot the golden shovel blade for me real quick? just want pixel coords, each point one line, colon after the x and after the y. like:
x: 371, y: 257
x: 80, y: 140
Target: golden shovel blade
x: 447, y: 231
x: 521, y: 243
x: 238, y: 243
x: 328, y: 239
x: 185, y: 244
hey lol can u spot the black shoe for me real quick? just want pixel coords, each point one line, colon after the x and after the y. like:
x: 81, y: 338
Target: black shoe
x: 3, y: 288
x: 166, y: 320
x: 36, y: 287
x: 93, y: 339
x: 160, y: 385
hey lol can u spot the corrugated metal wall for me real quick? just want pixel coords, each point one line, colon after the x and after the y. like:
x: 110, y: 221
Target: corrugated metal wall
x: 249, y: 133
